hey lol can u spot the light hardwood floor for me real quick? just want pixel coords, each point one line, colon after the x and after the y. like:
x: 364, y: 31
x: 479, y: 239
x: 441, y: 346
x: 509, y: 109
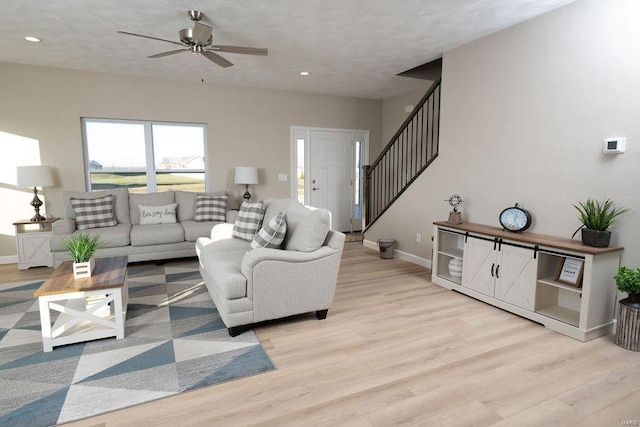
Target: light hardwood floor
x: 398, y: 350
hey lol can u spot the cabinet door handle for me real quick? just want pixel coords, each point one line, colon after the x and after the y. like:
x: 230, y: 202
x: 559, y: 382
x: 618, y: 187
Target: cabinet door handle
x: 498, y: 271
x: 492, y: 268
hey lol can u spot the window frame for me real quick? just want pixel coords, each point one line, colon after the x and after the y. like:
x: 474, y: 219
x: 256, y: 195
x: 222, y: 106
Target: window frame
x: 150, y: 170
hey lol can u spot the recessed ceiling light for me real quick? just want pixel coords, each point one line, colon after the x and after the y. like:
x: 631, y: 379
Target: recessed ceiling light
x: 305, y: 73
x: 387, y: 89
x: 32, y: 39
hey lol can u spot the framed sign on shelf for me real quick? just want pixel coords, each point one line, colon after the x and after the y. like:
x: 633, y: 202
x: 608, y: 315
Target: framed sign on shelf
x: 570, y: 272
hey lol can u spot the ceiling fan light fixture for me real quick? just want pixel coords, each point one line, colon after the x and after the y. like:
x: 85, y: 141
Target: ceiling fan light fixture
x: 186, y: 35
x: 32, y: 39
x: 199, y: 40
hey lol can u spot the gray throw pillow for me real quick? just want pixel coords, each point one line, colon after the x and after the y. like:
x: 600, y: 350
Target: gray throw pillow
x: 248, y: 220
x: 272, y: 234
x: 93, y: 213
x: 307, y: 228
x: 211, y: 208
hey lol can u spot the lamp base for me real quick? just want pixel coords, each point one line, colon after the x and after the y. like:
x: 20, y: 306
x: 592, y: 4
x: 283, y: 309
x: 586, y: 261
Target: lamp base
x: 36, y: 203
x: 247, y: 195
x: 38, y: 218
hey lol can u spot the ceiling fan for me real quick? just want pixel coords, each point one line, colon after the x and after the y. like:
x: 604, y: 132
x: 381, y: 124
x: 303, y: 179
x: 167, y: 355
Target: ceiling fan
x: 199, y: 41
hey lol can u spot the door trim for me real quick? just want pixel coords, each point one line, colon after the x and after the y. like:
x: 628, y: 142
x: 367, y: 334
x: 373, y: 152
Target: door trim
x: 305, y: 132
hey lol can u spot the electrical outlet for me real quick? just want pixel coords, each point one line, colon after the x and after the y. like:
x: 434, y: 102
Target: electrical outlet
x: 418, y: 237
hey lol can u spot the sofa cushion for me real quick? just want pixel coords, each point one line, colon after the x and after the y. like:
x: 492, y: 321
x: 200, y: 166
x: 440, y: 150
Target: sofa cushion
x: 211, y: 208
x: 143, y: 235
x: 186, y: 201
x: 148, y: 199
x: 157, y: 214
x: 224, y: 269
x: 112, y: 237
x: 193, y: 229
x: 248, y: 221
x: 271, y: 235
x: 93, y: 213
x: 307, y: 228
x: 273, y: 207
x: 120, y: 202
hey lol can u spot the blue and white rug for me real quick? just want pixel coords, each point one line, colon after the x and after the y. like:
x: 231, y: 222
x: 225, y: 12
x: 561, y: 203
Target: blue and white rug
x: 174, y: 342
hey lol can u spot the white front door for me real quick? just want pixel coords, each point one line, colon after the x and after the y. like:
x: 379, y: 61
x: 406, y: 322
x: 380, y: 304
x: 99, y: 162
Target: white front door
x: 331, y: 175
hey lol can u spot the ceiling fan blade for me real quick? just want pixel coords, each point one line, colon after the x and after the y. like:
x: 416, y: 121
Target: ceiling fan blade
x: 171, y: 52
x: 214, y: 57
x: 201, y: 33
x: 149, y: 37
x: 239, y: 49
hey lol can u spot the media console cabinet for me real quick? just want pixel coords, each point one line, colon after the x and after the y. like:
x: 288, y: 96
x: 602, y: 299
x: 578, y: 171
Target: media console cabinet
x: 519, y: 272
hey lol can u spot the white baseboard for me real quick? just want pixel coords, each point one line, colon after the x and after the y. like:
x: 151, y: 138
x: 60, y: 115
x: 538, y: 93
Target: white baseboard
x: 426, y: 263
x: 12, y: 259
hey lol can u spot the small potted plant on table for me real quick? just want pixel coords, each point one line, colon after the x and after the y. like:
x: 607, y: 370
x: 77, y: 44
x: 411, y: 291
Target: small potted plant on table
x: 82, y: 247
x: 628, y: 324
x: 597, y: 217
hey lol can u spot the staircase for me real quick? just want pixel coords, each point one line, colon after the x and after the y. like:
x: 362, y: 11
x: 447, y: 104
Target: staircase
x: 411, y: 150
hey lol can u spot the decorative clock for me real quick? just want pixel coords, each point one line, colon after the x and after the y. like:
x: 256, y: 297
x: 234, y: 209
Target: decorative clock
x: 515, y: 219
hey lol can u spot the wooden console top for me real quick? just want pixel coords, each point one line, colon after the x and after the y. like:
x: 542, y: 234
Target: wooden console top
x: 531, y: 238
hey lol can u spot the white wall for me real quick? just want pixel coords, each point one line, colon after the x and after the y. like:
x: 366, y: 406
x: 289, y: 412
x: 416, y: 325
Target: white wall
x: 394, y: 114
x: 524, y: 113
x: 246, y: 126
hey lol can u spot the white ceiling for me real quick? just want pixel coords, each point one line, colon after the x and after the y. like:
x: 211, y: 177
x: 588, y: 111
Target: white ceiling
x: 350, y: 47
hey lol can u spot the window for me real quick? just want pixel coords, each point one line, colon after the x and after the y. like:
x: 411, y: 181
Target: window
x: 144, y: 156
x: 300, y: 169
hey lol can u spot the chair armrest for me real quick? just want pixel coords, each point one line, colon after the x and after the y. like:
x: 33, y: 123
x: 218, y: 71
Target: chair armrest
x: 63, y: 226
x: 282, y: 264
x: 282, y: 283
x: 252, y: 258
x: 221, y: 231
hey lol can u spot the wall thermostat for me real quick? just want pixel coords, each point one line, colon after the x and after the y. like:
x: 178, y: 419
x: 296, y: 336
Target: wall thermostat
x: 614, y: 145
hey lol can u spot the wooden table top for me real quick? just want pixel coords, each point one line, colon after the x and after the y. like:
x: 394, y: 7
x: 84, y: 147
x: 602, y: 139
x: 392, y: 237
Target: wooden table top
x: 107, y: 273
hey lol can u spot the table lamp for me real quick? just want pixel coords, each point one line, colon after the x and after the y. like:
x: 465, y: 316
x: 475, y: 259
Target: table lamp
x: 246, y: 175
x: 35, y: 176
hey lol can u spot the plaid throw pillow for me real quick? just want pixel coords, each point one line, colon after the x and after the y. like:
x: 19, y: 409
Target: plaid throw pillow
x: 211, y: 208
x: 248, y: 220
x: 93, y: 213
x: 272, y: 234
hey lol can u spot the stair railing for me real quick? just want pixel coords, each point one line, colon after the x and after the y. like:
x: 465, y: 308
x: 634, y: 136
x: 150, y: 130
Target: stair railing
x: 411, y: 150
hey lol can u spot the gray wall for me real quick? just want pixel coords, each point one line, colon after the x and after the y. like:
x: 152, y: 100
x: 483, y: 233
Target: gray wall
x: 524, y: 114
x: 246, y: 126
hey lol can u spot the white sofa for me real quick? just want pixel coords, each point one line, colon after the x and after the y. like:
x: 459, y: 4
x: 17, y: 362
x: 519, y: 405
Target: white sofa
x: 128, y: 236
x: 253, y: 285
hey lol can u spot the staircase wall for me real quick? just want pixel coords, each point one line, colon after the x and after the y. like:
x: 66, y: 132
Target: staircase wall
x: 524, y: 113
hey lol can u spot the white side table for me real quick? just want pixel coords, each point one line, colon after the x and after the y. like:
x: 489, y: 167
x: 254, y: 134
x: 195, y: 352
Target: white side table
x: 32, y: 240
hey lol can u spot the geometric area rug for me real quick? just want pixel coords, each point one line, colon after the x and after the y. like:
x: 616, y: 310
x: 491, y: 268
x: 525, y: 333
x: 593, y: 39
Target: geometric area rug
x: 174, y: 342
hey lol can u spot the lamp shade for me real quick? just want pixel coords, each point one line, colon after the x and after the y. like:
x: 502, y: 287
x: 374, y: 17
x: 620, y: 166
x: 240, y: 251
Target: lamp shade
x: 246, y: 175
x: 34, y: 176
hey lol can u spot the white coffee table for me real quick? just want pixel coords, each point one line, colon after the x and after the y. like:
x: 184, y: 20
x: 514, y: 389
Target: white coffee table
x: 104, y: 315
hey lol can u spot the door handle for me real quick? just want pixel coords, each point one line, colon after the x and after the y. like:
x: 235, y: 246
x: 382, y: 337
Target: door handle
x: 498, y: 271
x: 493, y: 266
x: 315, y: 188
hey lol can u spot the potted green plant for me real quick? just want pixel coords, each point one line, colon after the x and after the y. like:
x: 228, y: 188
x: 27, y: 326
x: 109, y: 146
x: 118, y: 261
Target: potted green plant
x: 82, y: 247
x: 628, y: 323
x: 597, y: 217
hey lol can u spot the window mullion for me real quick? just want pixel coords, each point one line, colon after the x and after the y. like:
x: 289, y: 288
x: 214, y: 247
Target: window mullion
x: 151, y: 167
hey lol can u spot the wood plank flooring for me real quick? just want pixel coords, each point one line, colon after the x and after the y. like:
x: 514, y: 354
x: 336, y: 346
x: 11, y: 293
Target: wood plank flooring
x: 398, y: 350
